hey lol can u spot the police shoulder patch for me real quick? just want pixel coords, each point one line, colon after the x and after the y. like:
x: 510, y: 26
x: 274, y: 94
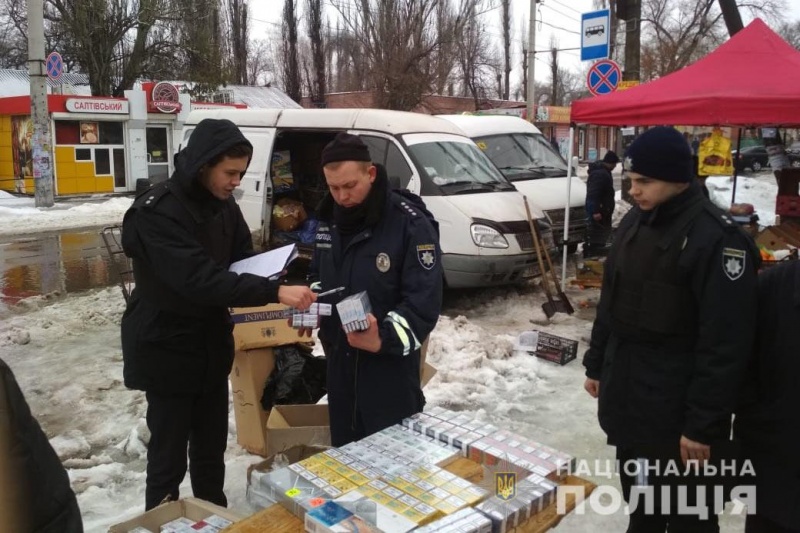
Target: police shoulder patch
x: 733, y: 262
x: 426, y: 254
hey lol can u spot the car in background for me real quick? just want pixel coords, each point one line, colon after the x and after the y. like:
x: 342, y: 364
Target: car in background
x: 753, y: 157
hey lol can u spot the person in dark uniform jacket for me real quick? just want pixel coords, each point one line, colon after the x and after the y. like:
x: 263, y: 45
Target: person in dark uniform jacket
x: 385, y: 242
x: 182, y: 235
x: 674, y: 329
x: 600, y: 204
x: 35, y: 496
x: 768, y: 422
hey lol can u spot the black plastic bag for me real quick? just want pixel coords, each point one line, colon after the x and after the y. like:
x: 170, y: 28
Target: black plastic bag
x: 298, y: 377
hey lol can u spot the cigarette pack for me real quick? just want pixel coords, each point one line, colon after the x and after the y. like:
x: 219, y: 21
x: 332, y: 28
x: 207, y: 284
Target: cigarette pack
x: 353, y: 312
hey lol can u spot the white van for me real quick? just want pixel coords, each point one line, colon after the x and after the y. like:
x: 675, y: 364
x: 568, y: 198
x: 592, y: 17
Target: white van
x: 529, y: 161
x: 484, y: 233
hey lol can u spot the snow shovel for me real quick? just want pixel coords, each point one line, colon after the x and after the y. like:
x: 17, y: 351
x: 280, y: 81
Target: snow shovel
x: 552, y: 305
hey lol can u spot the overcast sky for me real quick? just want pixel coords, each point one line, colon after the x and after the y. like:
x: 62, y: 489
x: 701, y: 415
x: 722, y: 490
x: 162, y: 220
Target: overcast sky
x: 559, y: 18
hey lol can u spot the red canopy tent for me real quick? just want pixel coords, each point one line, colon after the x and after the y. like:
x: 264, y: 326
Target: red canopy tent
x: 752, y: 79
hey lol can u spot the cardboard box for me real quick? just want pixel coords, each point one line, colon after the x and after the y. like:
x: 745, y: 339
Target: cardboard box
x: 249, y: 374
x: 192, y: 508
x: 248, y: 377
x: 292, y: 425
x: 260, y: 327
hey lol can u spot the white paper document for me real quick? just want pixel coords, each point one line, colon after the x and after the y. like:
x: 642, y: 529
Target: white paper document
x: 267, y: 264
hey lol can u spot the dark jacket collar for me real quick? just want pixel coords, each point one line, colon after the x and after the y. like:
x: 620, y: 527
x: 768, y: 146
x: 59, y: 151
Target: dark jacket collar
x: 672, y: 208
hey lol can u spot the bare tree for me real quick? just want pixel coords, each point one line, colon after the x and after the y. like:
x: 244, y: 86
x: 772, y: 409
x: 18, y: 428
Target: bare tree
x: 318, y: 87
x: 506, y: 27
x: 238, y: 40
x: 291, y: 66
x: 258, y: 64
x: 676, y: 33
x: 478, y: 64
x: 790, y: 31
x: 399, y: 39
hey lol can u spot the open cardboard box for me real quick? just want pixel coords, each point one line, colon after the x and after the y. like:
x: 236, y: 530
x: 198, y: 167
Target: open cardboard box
x: 248, y: 377
x: 192, y: 508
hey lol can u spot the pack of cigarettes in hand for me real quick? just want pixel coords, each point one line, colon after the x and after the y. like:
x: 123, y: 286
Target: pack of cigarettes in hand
x: 353, y: 312
x: 310, y: 318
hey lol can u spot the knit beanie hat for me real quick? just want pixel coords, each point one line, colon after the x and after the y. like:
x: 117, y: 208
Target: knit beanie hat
x: 660, y: 153
x: 345, y: 147
x: 611, y: 157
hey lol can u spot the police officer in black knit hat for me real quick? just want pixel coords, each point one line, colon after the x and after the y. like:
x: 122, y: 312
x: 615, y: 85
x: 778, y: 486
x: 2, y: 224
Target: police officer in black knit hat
x: 385, y: 242
x: 674, y: 329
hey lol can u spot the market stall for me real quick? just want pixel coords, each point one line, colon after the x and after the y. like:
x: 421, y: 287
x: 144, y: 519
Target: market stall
x: 713, y: 91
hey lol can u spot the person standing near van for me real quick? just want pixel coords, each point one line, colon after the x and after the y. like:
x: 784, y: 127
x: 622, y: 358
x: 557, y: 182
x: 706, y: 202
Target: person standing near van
x: 182, y: 235
x: 673, y: 333
x: 600, y: 204
x: 383, y: 241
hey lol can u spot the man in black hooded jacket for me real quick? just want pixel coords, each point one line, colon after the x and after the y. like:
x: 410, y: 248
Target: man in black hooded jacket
x: 183, y: 234
x: 385, y: 242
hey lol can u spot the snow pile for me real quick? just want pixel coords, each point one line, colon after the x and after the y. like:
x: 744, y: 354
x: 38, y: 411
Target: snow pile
x: 18, y: 215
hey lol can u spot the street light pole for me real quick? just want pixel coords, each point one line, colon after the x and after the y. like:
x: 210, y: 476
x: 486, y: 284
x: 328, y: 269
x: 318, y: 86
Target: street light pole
x: 531, y: 96
x: 42, y: 149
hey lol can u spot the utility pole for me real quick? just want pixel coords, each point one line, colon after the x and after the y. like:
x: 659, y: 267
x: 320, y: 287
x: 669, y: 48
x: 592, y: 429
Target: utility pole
x: 42, y: 148
x: 631, y: 12
x: 531, y: 109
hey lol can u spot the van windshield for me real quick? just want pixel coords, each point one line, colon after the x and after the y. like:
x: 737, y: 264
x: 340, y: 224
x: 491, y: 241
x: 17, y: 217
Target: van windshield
x: 523, y: 156
x: 456, y: 166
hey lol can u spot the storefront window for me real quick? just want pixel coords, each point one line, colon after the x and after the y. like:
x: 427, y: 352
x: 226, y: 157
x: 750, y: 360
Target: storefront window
x: 89, y: 132
x: 83, y: 154
x: 102, y: 162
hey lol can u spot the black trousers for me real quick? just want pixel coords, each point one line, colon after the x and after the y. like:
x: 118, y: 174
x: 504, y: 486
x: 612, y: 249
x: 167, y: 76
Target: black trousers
x: 598, y: 233
x: 662, y: 520
x: 199, y: 422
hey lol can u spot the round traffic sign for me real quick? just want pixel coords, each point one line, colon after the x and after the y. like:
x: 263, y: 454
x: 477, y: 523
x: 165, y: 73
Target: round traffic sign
x: 604, y: 77
x: 54, y: 66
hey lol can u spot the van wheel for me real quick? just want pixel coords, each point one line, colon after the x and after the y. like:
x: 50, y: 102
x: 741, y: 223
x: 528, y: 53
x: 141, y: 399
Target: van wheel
x: 756, y: 166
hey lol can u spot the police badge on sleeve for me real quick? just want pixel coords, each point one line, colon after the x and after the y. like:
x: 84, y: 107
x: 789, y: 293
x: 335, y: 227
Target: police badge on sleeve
x: 426, y: 253
x: 733, y: 263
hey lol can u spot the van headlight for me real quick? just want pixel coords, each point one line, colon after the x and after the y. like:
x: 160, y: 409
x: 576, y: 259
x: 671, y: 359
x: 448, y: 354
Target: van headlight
x: 487, y: 237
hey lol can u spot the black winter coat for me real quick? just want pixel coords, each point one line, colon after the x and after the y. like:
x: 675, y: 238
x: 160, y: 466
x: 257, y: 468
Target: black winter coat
x: 599, y: 191
x: 398, y: 262
x: 35, y: 495
x: 176, y: 330
x: 768, y: 422
x: 675, y: 324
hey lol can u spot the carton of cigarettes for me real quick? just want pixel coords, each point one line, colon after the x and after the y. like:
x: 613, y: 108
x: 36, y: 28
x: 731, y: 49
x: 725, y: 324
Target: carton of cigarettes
x: 311, y: 317
x: 353, y: 312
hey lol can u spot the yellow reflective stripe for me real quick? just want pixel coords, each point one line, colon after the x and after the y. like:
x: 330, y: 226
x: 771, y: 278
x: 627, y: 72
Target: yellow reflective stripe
x: 397, y: 318
x: 401, y: 334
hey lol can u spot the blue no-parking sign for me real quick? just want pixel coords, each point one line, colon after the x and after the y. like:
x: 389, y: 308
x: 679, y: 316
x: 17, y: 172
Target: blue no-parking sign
x: 603, y: 78
x: 54, y: 66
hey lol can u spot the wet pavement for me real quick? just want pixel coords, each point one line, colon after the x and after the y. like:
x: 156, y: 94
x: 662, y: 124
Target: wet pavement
x: 58, y: 262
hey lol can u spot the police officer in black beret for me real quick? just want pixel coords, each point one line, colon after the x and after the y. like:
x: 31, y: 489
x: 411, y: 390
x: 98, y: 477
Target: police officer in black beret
x: 674, y: 328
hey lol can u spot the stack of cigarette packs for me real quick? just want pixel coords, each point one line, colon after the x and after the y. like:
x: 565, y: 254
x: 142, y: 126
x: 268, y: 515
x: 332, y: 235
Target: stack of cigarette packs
x: 353, y: 312
x: 464, y: 521
x: 531, y: 495
x: 311, y: 317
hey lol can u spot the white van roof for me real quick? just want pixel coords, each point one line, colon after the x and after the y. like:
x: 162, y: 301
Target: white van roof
x: 394, y: 122
x: 484, y: 125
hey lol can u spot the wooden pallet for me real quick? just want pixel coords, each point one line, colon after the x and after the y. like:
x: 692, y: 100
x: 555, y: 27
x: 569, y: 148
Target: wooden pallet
x: 276, y: 519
